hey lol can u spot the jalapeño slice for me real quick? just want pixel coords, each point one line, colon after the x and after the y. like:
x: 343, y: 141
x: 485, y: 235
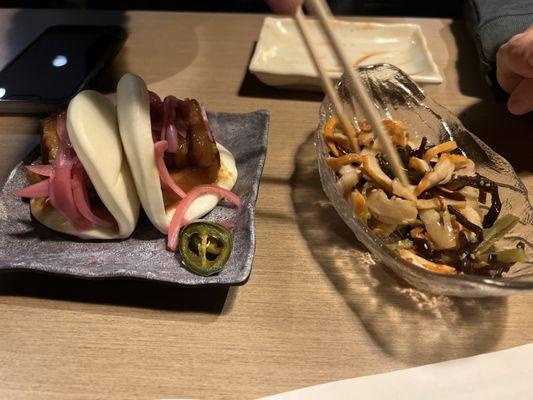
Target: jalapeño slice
x: 205, y: 247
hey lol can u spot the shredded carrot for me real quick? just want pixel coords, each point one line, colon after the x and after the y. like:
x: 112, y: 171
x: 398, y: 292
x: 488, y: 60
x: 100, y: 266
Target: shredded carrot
x: 397, y: 130
x: 358, y: 202
x: 442, y: 166
x: 419, y: 165
x: 440, y: 148
x: 418, y: 232
x: 443, y: 269
x: 342, y: 141
x: 422, y: 185
x: 328, y: 134
x: 457, y: 227
x: 441, y: 202
x: 413, y: 258
x: 379, y: 232
x: 372, y: 168
x: 335, y: 163
x: 365, y: 127
x: 459, y: 160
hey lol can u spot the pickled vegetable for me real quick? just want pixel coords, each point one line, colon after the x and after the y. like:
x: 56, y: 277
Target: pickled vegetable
x: 205, y: 247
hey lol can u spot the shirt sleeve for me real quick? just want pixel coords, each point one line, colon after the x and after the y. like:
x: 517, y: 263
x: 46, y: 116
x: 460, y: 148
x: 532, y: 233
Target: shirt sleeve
x: 492, y: 23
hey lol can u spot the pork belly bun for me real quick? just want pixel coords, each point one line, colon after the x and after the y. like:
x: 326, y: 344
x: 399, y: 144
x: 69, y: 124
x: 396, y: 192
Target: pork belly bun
x: 173, y: 156
x: 84, y: 186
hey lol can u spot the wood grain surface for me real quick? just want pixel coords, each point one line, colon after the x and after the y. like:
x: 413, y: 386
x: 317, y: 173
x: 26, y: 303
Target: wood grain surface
x: 309, y: 314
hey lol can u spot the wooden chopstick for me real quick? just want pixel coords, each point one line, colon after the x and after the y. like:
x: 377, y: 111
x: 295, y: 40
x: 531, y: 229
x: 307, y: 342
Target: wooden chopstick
x: 327, y: 86
x: 322, y: 11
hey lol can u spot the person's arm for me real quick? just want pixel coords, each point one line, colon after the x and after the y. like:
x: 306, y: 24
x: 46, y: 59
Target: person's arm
x: 505, y: 46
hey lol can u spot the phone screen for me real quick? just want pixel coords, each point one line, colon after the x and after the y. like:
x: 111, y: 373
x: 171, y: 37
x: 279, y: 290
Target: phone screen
x: 59, y: 63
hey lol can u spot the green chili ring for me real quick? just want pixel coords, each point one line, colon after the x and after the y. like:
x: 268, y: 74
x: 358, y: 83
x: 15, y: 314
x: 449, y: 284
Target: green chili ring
x: 205, y: 247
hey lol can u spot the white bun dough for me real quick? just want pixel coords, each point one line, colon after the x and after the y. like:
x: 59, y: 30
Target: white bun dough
x: 136, y: 131
x: 93, y: 132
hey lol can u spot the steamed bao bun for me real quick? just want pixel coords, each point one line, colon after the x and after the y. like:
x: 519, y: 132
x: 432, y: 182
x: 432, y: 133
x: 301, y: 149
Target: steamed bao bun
x: 133, y: 110
x: 93, y: 131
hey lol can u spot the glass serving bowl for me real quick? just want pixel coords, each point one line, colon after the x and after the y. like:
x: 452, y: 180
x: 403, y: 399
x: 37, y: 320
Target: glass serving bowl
x: 398, y: 97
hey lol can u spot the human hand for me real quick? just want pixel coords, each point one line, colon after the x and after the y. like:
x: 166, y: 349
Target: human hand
x: 514, y: 71
x: 284, y: 6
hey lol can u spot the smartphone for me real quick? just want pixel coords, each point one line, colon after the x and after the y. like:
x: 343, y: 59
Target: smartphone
x: 57, y: 65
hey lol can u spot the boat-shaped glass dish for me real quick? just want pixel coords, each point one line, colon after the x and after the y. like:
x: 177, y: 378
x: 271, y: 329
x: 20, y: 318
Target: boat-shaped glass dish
x: 398, y: 97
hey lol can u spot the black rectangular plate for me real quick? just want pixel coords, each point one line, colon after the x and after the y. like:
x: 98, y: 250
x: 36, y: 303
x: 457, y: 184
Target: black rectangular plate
x: 25, y: 244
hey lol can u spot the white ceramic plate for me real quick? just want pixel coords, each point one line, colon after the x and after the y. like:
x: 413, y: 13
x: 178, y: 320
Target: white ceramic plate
x: 280, y: 58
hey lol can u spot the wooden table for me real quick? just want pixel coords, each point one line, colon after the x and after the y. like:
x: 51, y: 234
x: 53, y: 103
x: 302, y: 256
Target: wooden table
x: 308, y: 314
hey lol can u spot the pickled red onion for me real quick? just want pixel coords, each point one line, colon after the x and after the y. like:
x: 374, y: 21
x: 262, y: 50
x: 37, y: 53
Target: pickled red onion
x: 227, y: 224
x: 39, y: 189
x: 172, y: 138
x: 154, y: 98
x: 166, y: 118
x: 81, y: 198
x: 61, y: 186
x: 66, y: 187
x: 165, y: 130
x: 43, y: 170
x: 178, y: 219
x: 160, y: 148
x: 181, y: 128
x: 61, y: 128
x: 179, y: 123
x: 206, y: 123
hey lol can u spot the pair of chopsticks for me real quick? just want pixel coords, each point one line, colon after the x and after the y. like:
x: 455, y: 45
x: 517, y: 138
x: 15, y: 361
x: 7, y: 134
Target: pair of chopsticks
x: 321, y: 10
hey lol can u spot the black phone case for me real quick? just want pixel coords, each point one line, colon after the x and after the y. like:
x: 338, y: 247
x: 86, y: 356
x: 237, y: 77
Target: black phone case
x: 36, y: 105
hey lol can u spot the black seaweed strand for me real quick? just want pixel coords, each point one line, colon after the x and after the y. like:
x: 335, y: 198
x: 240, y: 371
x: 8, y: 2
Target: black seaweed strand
x: 495, y: 207
x: 449, y: 194
x: 421, y: 149
x: 465, y: 251
x: 484, y: 185
x: 466, y: 223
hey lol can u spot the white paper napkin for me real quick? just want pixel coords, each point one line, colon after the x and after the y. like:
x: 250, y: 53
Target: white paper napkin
x: 506, y: 374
